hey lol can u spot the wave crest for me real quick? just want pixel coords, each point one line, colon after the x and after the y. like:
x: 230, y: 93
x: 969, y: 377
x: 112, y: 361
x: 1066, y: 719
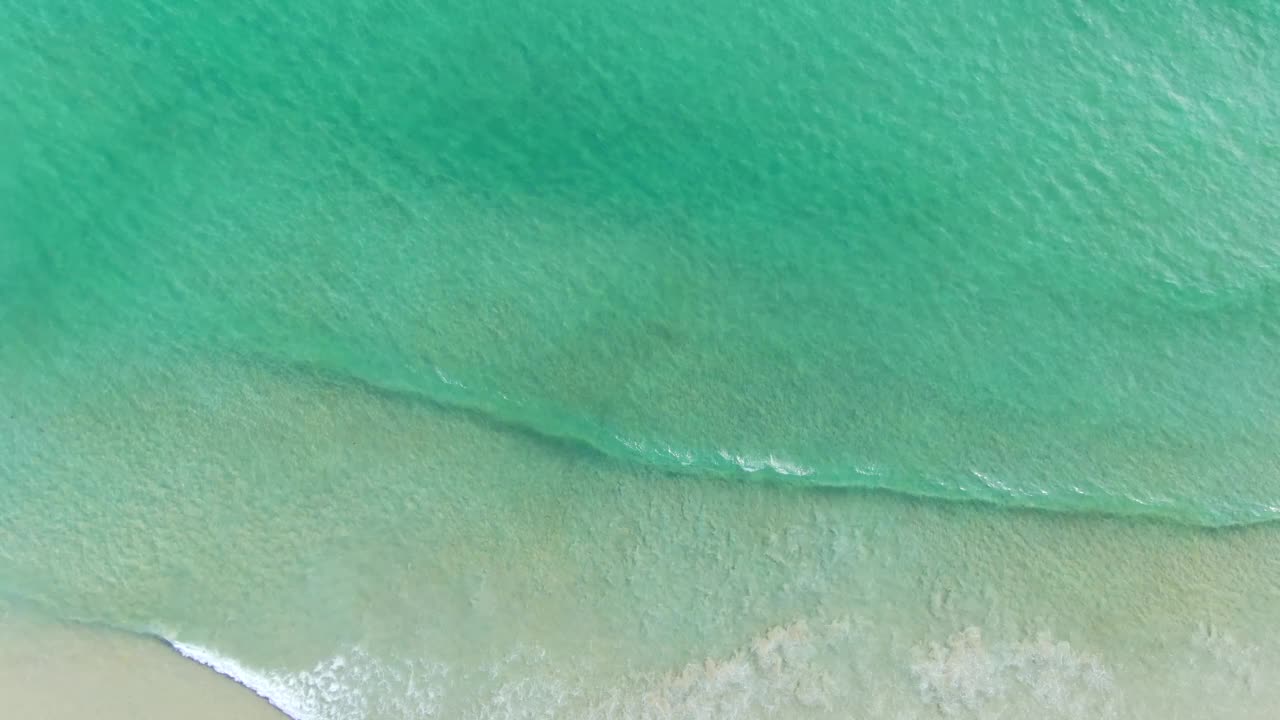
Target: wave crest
x: 446, y: 389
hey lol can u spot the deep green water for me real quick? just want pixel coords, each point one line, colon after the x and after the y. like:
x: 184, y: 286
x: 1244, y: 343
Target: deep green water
x: 258, y: 256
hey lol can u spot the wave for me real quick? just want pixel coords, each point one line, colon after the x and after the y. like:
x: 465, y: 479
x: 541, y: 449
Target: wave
x: 796, y: 670
x: 975, y: 485
x: 268, y: 686
x: 347, y: 686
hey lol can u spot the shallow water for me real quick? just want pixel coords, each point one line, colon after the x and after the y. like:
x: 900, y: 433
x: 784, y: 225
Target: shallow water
x: 543, y: 350
x: 429, y: 564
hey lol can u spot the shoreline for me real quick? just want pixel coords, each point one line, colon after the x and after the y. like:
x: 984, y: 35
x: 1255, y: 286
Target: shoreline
x: 643, y: 586
x: 69, y: 671
x: 62, y: 671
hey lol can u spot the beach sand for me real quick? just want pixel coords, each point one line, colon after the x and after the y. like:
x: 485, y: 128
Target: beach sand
x: 51, y: 671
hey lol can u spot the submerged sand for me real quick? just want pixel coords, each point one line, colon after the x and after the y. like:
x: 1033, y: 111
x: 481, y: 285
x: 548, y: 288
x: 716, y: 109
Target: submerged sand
x: 355, y: 555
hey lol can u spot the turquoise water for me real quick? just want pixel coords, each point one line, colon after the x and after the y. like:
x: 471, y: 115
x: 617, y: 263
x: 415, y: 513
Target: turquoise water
x: 319, y: 311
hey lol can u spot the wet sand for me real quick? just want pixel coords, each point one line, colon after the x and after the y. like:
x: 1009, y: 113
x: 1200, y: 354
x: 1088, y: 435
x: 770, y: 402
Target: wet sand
x: 53, y: 671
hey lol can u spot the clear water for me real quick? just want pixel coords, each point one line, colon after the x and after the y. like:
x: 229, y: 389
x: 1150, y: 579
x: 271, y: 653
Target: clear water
x: 552, y: 347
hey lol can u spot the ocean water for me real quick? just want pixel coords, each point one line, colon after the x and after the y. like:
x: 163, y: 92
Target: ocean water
x: 427, y: 359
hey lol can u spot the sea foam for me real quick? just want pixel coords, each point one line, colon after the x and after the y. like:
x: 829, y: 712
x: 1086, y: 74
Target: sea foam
x: 348, y: 686
x: 803, y: 669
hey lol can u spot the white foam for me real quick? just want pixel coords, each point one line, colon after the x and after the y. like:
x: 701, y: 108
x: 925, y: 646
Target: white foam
x: 748, y: 463
x: 770, y: 462
x: 775, y: 675
x: 344, y: 687
x: 264, y: 684
x: 684, y: 457
x: 966, y: 677
x: 776, y: 670
x: 450, y: 381
x: 798, y: 670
